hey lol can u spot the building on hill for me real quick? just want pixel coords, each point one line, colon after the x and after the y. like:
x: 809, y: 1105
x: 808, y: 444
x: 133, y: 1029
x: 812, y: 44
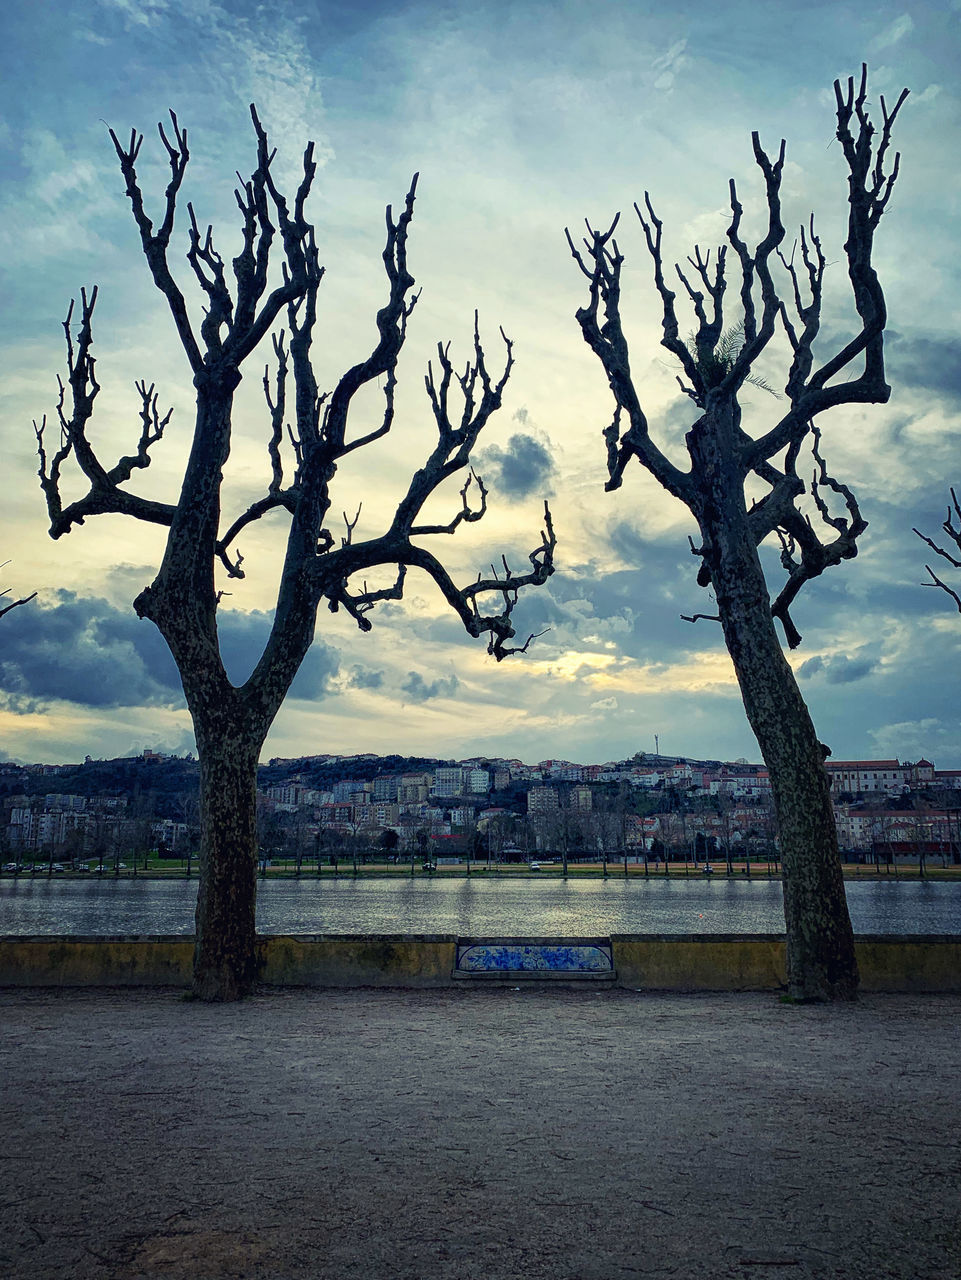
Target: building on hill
x: 950, y: 779
x: 448, y: 782
x: 477, y: 781
x: 542, y: 800
x: 859, y: 776
x: 899, y: 832
x: 922, y: 773
x: 581, y: 799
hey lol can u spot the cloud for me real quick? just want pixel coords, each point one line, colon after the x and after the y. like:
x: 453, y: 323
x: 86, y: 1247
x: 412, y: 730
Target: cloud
x: 418, y: 690
x: 604, y: 704
x: 83, y: 650
x: 146, y: 13
x: 86, y: 651
x: 364, y: 678
x: 525, y: 466
x: 892, y: 33
x: 837, y: 670
x: 668, y: 65
x: 912, y: 739
x: 929, y: 361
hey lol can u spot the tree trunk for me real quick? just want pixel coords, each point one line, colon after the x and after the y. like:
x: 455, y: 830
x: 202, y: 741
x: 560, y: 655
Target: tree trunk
x: 821, y: 964
x: 225, y: 954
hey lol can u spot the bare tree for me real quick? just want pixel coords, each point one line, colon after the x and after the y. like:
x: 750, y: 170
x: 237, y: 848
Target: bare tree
x: 5, y: 608
x: 717, y: 362
x: 231, y: 722
x: 952, y: 530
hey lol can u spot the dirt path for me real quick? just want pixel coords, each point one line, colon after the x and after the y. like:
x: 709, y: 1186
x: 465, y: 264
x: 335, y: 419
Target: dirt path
x: 478, y: 1135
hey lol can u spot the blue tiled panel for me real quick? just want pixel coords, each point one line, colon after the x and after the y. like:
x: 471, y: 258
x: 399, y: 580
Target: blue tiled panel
x: 492, y: 957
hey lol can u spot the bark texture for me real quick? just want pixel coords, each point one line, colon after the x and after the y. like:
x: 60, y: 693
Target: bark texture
x: 309, y: 433
x: 717, y: 363
x: 225, y: 956
x: 820, y: 955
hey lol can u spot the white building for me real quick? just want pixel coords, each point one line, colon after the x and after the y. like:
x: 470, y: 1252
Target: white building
x: 448, y: 782
x: 858, y: 776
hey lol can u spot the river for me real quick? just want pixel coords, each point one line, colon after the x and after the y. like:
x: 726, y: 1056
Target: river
x: 510, y: 908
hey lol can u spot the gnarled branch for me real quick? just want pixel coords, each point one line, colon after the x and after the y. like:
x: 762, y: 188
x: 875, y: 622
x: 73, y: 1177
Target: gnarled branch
x: 105, y: 494
x: 868, y: 194
x: 14, y: 604
x: 816, y: 556
x: 951, y: 526
x: 608, y: 343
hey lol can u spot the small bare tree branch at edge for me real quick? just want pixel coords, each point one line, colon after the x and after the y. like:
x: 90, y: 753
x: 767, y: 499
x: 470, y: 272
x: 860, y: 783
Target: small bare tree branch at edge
x: 951, y: 527
x: 13, y: 604
x: 716, y: 363
x: 231, y: 722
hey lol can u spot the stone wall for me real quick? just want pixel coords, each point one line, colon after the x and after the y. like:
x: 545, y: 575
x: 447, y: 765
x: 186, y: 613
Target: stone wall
x: 677, y: 962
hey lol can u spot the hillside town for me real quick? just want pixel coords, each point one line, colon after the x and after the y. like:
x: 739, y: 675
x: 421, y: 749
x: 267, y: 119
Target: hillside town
x: 327, y: 808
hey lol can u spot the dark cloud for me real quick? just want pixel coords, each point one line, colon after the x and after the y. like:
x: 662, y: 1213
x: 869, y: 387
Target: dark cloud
x: 83, y: 650
x: 364, y: 678
x: 931, y: 362
x: 418, y: 690
x: 525, y: 466
x: 87, y: 651
x: 837, y: 670
x: 814, y: 666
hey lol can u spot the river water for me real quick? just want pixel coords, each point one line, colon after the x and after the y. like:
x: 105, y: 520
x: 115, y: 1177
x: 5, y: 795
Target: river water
x: 509, y: 908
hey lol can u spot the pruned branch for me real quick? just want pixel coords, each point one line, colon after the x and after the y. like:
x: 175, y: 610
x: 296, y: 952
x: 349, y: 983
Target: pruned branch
x: 302, y: 274
x: 869, y: 190
x: 481, y: 397
x: 105, y: 494
x: 457, y: 431
x: 14, y: 604
x: 277, y: 406
x: 358, y: 606
x: 815, y: 555
x: 700, y: 617
x: 392, y: 327
x: 653, y: 232
x: 952, y: 530
x: 155, y: 246
x: 466, y: 514
x: 334, y: 570
x: 602, y: 266
x: 939, y: 582
x: 757, y: 265
x: 466, y: 600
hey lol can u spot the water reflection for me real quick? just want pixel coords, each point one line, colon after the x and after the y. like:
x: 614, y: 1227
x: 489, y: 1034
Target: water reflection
x: 574, y: 908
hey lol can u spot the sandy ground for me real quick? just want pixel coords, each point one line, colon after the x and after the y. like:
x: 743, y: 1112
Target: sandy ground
x: 478, y: 1135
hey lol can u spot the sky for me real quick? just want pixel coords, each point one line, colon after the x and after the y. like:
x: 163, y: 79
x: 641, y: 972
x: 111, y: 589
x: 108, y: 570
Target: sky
x: 522, y: 119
